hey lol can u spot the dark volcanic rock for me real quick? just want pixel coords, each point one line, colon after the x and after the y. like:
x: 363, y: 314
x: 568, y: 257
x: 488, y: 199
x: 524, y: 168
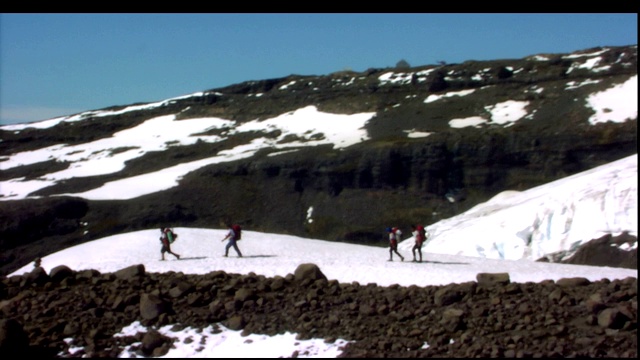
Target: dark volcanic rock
x: 309, y: 272
x: 567, y: 318
x: 13, y: 339
x: 60, y: 273
x: 606, y: 251
x: 152, y: 306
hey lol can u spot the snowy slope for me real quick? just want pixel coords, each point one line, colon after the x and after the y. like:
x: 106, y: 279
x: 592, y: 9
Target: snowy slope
x: 559, y: 216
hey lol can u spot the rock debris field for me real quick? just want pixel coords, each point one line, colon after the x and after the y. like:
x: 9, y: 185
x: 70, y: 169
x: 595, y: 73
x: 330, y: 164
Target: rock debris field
x: 490, y: 317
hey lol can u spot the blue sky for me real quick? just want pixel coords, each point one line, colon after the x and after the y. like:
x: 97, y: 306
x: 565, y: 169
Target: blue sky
x: 60, y: 64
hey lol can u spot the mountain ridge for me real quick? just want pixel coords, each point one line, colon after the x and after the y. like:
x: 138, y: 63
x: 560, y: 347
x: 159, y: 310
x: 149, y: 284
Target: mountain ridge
x: 438, y: 132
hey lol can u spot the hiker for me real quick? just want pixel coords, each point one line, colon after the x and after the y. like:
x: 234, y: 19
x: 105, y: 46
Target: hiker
x: 166, y: 244
x: 394, y: 237
x: 232, y: 236
x: 420, y: 236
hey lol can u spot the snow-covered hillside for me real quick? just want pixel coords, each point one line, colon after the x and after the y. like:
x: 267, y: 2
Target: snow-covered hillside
x: 559, y: 216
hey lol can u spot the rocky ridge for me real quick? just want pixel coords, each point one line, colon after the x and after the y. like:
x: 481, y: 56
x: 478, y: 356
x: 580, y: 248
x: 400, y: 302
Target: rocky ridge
x: 491, y: 317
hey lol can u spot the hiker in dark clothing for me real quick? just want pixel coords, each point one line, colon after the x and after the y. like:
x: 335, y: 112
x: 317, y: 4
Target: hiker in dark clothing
x: 394, y: 235
x: 231, y: 235
x: 166, y: 245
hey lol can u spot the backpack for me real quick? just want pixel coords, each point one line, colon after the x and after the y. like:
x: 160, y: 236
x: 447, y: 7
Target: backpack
x: 398, y: 233
x: 237, y: 230
x: 422, y: 232
x: 171, y: 236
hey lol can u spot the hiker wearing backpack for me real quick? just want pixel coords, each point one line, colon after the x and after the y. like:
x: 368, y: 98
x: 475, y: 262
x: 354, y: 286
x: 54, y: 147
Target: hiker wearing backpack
x: 394, y: 237
x: 234, y: 234
x: 420, y: 236
x: 167, y: 237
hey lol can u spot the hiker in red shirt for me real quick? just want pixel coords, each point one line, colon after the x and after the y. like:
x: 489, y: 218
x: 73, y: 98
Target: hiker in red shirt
x: 166, y: 244
x: 420, y: 236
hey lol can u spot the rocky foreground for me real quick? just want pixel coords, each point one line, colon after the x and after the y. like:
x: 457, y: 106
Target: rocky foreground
x: 490, y: 317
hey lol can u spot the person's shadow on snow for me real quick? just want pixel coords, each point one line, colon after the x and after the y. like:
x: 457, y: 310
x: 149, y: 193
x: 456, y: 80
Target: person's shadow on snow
x: 190, y: 258
x: 441, y: 262
x: 258, y: 256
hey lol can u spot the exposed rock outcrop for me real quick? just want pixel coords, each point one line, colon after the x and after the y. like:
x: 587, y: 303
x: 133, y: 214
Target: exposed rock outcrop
x: 492, y: 317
